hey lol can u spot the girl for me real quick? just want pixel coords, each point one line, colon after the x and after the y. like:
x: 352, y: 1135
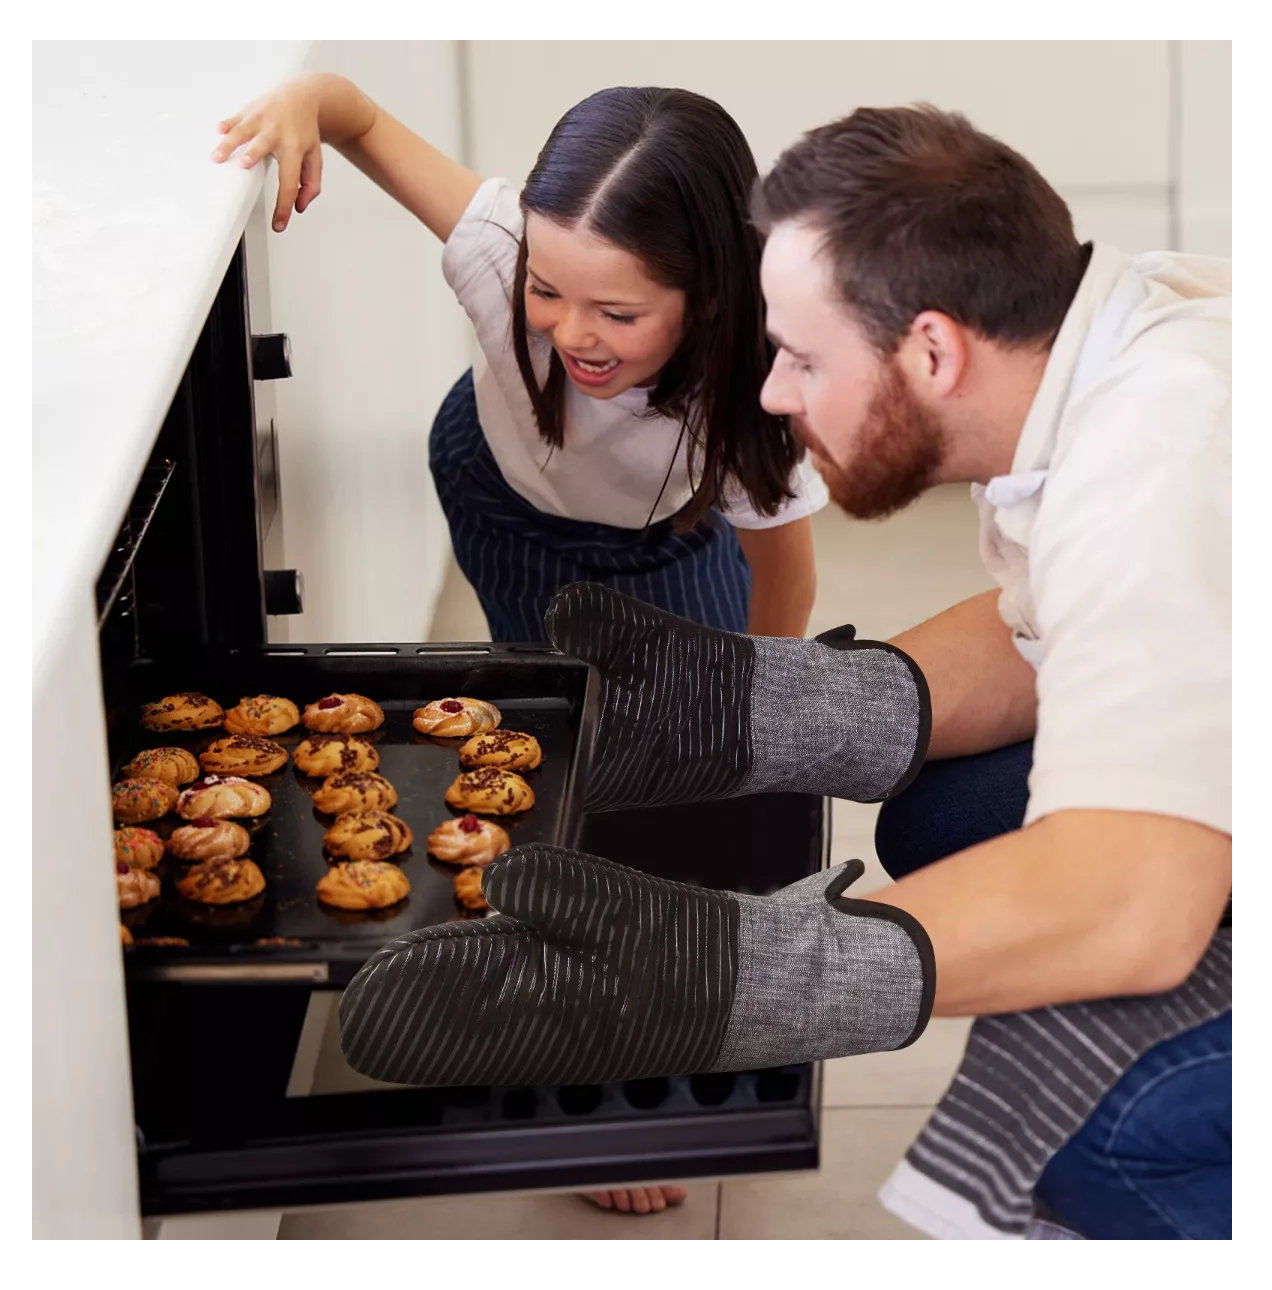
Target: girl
x: 611, y: 430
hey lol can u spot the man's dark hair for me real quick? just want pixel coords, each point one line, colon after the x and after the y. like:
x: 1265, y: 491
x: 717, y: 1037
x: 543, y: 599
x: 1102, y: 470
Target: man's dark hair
x: 920, y: 210
x: 667, y: 175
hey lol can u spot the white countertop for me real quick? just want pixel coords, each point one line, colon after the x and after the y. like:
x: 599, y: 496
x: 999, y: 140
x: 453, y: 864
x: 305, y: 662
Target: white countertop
x: 133, y: 228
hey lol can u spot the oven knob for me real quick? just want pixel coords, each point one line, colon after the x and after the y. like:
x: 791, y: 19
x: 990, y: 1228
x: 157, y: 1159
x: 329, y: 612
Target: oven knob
x: 284, y: 592
x: 271, y: 357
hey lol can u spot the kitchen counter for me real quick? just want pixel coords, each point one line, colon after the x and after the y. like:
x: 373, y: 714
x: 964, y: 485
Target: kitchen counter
x: 133, y: 228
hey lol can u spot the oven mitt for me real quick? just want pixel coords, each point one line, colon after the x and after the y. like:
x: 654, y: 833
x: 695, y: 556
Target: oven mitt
x: 592, y: 972
x: 692, y: 714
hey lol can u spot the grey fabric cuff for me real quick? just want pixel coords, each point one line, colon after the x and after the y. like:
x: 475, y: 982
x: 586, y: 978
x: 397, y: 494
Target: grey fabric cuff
x: 821, y: 976
x: 850, y: 722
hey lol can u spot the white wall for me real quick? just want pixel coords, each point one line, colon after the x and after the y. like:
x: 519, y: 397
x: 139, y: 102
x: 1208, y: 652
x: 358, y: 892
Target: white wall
x: 1093, y: 116
x: 377, y: 339
x: 1205, y: 147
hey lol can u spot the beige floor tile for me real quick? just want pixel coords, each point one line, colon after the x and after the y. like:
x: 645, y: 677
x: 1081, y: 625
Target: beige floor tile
x: 505, y: 1218
x: 860, y: 1148
x: 914, y: 1076
x: 885, y: 576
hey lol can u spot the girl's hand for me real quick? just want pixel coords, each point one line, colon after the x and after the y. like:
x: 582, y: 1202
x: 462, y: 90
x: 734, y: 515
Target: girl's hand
x: 283, y: 124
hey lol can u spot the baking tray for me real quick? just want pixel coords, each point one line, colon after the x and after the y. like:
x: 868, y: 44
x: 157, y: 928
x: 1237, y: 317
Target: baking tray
x: 538, y: 691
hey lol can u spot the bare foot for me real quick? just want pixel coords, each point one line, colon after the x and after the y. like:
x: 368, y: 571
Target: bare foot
x: 637, y: 1200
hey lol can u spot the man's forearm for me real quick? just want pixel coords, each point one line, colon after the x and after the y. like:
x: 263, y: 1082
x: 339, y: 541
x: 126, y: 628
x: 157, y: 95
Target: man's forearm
x: 982, y: 690
x: 1081, y: 905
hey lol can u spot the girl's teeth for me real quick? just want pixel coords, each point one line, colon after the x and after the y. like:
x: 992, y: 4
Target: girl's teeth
x: 596, y: 367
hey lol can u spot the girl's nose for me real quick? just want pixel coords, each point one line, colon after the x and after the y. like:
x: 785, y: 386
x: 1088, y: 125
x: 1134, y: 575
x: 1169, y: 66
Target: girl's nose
x: 573, y: 332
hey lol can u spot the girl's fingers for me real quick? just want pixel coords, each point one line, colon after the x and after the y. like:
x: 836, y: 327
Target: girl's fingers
x: 239, y: 133
x: 229, y: 123
x: 310, y: 179
x: 288, y: 187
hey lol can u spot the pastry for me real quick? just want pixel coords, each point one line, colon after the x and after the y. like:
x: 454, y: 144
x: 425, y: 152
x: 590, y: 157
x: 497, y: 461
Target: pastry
x: 135, y: 886
x: 222, y: 797
x: 125, y: 936
x: 323, y: 755
x: 174, y: 766
x: 173, y: 941
x: 207, y: 839
x: 468, y: 889
x: 243, y: 755
x: 468, y: 841
x: 222, y: 882
x: 507, y: 749
x: 363, y: 884
x: 368, y: 835
x: 355, y: 790
x: 138, y: 848
x: 346, y: 714
x: 276, y: 940
x: 138, y: 800
x: 455, y: 718
x: 262, y: 714
x: 183, y: 712
x: 490, y: 791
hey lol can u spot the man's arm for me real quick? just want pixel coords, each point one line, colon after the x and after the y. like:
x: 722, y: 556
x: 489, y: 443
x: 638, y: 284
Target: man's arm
x: 982, y: 690
x: 1079, y: 905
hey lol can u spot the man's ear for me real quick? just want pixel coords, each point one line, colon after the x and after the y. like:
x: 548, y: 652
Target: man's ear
x: 934, y: 354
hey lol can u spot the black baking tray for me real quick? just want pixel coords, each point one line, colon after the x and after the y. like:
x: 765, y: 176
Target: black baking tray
x: 538, y: 691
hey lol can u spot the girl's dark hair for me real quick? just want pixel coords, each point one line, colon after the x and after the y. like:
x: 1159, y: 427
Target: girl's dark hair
x: 920, y: 210
x: 667, y: 176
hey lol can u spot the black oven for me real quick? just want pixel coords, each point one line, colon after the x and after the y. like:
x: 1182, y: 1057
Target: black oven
x: 218, y: 1026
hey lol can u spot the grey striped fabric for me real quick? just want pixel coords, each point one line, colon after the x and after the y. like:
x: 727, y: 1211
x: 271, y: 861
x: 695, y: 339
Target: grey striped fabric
x: 592, y: 972
x: 1030, y: 1080
x: 691, y: 714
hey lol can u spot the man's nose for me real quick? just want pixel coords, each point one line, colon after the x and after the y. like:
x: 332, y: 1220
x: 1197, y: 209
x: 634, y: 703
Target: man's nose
x: 779, y: 395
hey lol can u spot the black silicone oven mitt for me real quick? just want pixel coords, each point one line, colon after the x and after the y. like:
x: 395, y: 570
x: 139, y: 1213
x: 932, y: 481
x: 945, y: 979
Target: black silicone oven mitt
x: 592, y: 972
x: 693, y: 714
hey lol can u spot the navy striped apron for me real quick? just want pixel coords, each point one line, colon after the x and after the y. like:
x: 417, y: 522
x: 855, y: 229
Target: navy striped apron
x: 517, y: 558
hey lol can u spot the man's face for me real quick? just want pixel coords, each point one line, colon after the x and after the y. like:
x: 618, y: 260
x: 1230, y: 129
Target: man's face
x: 876, y: 447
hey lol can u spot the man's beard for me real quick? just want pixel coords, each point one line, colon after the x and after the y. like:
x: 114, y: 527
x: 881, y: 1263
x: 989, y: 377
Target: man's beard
x: 896, y: 456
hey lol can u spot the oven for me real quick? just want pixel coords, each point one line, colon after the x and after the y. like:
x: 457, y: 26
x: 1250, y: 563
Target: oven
x: 240, y: 1099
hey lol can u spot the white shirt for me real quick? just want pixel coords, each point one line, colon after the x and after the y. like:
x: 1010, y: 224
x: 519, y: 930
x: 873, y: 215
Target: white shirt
x: 1111, y: 539
x: 615, y: 459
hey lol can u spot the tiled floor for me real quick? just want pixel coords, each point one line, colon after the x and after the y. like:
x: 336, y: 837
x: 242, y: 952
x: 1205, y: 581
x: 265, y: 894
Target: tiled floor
x: 882, y: 577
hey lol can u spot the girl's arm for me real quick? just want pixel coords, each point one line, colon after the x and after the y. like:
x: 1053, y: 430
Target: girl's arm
x: 783, y: 577
x: 292, y: 123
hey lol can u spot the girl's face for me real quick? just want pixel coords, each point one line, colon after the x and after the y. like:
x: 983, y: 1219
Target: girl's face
x: 612, y: 325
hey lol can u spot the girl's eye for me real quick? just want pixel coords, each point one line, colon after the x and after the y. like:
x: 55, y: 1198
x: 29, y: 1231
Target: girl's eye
x: 541, y: 293
x: 619, y: 318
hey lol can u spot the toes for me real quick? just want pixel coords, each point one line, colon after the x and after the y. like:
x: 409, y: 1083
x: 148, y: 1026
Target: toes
x: 601, y: 1198
x: 640, y: 1200
x: 622, y: 1200
x: 674, y: 1195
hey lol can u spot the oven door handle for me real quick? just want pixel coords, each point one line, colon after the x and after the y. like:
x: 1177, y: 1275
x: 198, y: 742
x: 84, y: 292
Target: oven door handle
x: 232, y: 973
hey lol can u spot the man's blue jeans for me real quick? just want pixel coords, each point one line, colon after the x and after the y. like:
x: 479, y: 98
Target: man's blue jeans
x: 1154, y: 1162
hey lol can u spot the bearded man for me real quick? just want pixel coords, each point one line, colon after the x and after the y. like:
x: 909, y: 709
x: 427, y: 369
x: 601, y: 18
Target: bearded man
x: 1053, y: 756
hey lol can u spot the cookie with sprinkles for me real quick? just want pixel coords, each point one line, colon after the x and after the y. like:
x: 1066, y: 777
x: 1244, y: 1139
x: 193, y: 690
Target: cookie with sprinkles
x: 189, y: 711
x: 363, y: 884
x: 138, y: 848
x: 262, y: 714
x: 137, y: 800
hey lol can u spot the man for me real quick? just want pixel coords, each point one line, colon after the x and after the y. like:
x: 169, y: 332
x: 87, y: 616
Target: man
x: 937, y: 321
